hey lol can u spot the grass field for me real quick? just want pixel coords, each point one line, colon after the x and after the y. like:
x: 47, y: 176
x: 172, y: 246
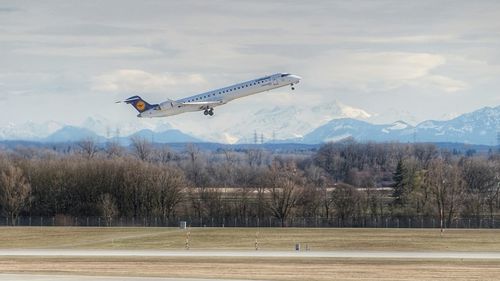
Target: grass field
x: 255, y: 268
x: 244, y: 238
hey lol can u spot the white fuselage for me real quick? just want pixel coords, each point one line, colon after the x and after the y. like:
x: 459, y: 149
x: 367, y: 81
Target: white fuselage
x: 211, y: 99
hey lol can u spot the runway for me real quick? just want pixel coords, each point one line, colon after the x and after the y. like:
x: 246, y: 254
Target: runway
x: 249, y: 254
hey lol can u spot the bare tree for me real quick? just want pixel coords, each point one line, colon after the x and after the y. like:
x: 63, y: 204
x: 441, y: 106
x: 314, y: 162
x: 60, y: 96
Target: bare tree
x: 114, y: 149
x: 14, y: 192
x: 169, y: 186
x: 344, y: 200
x: 284, y: 189
x: 142, y: 148
x: 447, y: 187
x: 108, y: 208
x: 195, y: 169
x: 164, y: 154
x: 255, y: 157
x: 88, y: 147
x: 480, y: 179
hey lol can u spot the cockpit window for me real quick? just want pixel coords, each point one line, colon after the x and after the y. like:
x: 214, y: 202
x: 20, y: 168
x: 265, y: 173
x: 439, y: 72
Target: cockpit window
x: 285, y: 74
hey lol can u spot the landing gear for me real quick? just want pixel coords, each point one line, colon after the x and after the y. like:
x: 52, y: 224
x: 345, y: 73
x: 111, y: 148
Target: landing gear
x: 293, y: 88
x: 209, y: 111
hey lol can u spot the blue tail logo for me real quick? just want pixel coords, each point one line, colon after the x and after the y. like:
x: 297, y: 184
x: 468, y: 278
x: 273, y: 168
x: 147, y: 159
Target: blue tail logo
x: 139, y: 104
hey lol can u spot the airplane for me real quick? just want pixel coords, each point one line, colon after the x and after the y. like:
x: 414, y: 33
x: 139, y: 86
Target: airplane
x: 207, y: 101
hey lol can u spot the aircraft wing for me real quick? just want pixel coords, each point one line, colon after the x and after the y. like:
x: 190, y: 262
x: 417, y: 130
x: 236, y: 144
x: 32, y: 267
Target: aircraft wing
x: 207, y: 103
x: 203, y: 104
x: 198, y: 104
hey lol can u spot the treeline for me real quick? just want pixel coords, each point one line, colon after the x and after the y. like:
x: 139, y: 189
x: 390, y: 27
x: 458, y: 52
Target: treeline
x: 340, y: 181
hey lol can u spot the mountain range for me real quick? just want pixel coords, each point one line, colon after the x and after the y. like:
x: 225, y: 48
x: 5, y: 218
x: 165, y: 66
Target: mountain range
x: 479, y: 127
x: 329, y: 122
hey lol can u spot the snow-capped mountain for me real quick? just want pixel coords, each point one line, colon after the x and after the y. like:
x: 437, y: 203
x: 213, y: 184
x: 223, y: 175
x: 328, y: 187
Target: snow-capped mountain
x: 311, y: 125
x: 104, y: 127
x: 272, y: 122
x: 291, y: 121
x: 29, y: 130
x: 478, y: 127
x: 72, y: 134
x: 168, y: 136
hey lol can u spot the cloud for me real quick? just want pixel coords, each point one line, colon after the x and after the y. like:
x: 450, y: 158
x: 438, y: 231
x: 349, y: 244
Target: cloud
x: 88, y: 51
x: 444, y: 83
x: 132, y: 80
x: 384, y: 71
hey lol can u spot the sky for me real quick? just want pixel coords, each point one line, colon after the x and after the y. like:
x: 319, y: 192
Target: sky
x: 410, y: 60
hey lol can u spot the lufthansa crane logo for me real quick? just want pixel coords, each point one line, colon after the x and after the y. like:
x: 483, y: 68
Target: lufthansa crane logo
x: 140, y: 105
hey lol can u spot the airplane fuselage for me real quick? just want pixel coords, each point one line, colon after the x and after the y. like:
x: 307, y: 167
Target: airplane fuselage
x: 208, y: 100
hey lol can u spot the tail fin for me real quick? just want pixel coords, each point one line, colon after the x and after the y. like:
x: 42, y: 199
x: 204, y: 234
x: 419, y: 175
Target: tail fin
x: 139, y: 104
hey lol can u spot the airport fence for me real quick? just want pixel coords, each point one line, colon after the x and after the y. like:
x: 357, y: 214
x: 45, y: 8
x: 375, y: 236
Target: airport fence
x: 320, y: 222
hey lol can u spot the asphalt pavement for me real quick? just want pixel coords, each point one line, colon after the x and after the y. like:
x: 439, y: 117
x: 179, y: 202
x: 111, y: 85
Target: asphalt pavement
x: 249, y: 254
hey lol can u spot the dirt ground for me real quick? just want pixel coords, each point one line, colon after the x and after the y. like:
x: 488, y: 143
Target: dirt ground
x: 260, y: 269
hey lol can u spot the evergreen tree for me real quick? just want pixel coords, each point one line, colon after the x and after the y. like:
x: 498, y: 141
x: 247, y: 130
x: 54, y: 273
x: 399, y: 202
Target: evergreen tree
x: 399, y: 186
